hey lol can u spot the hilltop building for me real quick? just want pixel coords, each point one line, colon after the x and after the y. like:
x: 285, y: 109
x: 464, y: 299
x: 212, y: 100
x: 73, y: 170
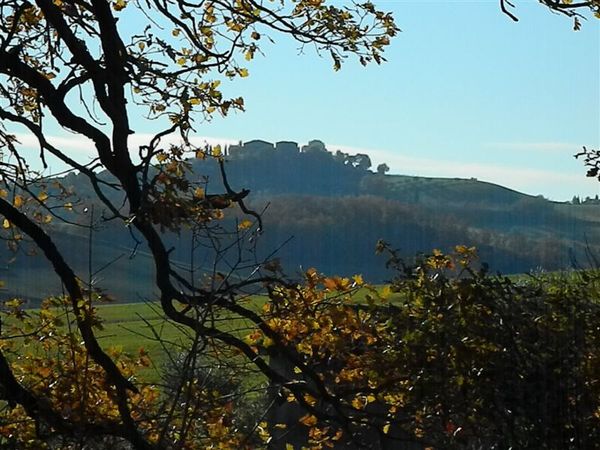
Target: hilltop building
x: 287, y: 148
x: 259, y: 147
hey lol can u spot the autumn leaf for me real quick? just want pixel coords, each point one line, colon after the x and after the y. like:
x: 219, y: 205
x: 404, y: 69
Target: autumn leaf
x: 119, y: 5
x: 199, y: 193
x: 385, y: 292
x: 358, y: 280
x: 330, y: 284
x: 18, y: 201
x: 244, y: 224
x: 310, y: 399
x: 309, y: 420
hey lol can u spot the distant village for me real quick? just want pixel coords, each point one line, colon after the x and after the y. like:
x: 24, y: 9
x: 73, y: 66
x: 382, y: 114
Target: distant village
x: 290, y: 149
x: 586, y: 201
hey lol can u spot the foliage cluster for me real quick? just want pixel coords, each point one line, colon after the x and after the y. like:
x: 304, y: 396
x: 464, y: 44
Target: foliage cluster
x: 459, y: 359
x: 446, y: 356
x: 62, y: 399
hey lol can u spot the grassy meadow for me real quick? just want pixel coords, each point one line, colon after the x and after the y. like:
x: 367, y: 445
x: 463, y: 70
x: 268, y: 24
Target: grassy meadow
x: 131, y: 326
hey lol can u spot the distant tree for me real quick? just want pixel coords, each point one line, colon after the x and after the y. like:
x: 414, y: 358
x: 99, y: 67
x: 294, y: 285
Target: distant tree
x: 382, y: 168
x: 362, y: 161
x: 575, y: 200
x: 314, y: 146
x: 340, y: 156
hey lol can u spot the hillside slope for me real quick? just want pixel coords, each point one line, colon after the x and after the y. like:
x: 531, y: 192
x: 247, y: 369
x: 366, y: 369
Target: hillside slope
x: 327, y: 211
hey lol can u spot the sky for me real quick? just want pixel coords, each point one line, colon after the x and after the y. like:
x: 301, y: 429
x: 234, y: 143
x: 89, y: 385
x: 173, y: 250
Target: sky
x: 466, y: 92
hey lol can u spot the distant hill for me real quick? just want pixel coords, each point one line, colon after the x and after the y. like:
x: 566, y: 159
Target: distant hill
x: 334, y: 208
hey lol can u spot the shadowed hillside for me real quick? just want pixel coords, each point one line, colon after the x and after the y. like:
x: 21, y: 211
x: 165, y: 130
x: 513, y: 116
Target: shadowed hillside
x: 326, y: 210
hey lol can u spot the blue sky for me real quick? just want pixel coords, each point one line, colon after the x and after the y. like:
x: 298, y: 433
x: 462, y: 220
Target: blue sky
x: 466, y: 92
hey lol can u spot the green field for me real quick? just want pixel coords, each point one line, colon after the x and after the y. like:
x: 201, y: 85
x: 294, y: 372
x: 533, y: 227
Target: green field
x: 132, y: 326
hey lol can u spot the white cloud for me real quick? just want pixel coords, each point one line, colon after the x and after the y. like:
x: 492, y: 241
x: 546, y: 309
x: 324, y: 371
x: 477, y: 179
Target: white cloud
x: 558, y: 147
x: 554, y: 184
x: 82, y: 149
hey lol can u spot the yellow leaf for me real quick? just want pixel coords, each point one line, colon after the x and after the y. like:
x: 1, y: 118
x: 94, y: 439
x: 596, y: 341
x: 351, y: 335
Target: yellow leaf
x: 309, y: 420
x: 161, y: 157
x: 244, y: 224
x: 68, y: 206
x: 386, y: 292
x: 386, y: 428
x: 118, y: 5
x: 249, y: 55
x: 358, y: 279
x: 199, y: 192
x: 243, y: 73
x: 181, y: 61
x: 310, y: 399
x: 47, y: 218
x: 200, y: 154
x: 6, y: 224
x: 42, y: 196
x: 289, y: 447
x: 216, y: 151
x: 3, y: 193
x: 18, y: 201
x: 141, y: 45
x: 175, y: 32
x: 194, y: 101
